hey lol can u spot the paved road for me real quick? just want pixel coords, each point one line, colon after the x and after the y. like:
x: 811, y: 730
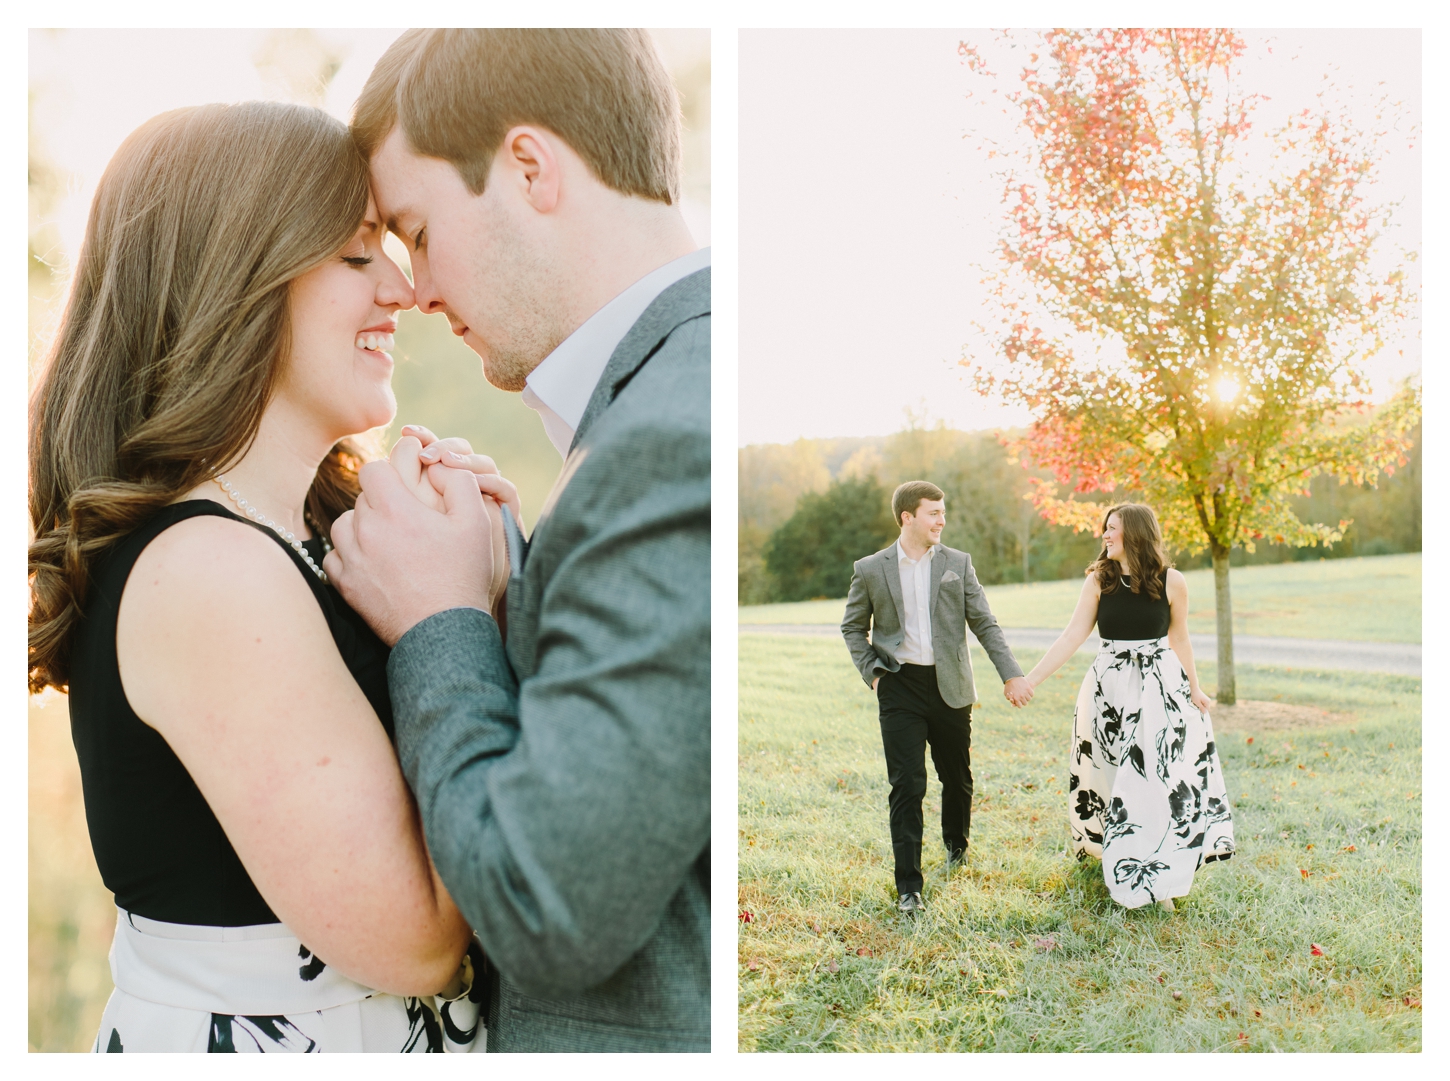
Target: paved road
x: 1397, y: 658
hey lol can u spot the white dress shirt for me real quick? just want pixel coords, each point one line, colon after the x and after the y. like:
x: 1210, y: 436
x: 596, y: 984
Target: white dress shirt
x: 559, y: 389
x: 916, y: 599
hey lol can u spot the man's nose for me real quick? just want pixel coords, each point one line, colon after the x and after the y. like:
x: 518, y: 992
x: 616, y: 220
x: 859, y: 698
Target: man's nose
x: 428, y: 299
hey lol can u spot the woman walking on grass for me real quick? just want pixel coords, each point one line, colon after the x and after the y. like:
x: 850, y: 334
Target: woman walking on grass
x: 1145, y: 789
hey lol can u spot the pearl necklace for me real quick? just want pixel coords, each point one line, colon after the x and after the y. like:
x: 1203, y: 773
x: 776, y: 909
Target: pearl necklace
x: 260, y: 518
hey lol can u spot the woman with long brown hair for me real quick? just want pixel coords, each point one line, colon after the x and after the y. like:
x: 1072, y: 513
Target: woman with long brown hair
x: 1145, y: 790
x: 191, y: 445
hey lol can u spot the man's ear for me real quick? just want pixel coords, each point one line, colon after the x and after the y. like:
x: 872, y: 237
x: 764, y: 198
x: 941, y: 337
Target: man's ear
x: 528, y: 158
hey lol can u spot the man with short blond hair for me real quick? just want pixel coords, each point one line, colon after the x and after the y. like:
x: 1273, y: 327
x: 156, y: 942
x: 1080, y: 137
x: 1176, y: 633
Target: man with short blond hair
x: 916, y: 600
x: 564, y: 779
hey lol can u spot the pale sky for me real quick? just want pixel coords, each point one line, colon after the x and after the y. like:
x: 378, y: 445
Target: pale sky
x: 865, y: 212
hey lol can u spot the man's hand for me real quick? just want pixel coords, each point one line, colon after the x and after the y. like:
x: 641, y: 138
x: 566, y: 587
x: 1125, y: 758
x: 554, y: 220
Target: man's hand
x: 398, y: 561
x: 456, y: 453
x: 1018, y: 691
x: 876, y: 683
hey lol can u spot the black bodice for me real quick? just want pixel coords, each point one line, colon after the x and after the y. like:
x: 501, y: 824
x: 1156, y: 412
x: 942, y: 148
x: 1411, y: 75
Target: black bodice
x: 1129, y: 616
x: 157, y: 844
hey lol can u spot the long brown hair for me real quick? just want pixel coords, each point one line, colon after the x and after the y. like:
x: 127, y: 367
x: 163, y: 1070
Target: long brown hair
x: 1142, y: 551
x: 175, y: 333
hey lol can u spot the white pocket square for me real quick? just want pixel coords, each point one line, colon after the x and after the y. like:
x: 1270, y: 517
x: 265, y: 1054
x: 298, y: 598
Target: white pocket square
x: 950, y: 576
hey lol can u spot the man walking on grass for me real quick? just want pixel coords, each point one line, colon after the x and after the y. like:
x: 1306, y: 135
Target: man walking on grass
x: 917, y: 598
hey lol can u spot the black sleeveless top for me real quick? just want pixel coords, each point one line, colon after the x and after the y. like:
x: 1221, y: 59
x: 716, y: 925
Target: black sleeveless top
x: 157, y: 844
x: 1129, y: 616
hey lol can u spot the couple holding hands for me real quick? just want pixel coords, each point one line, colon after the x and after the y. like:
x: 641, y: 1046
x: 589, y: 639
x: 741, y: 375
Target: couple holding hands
x: 366, y: 770
x: 1145, y: 790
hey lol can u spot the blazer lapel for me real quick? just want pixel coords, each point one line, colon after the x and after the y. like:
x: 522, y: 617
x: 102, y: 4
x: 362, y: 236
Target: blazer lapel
x: 686, y: 299
x: 891, y: 570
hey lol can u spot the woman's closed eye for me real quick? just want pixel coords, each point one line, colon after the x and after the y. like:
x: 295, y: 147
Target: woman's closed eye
x: 357, y: 260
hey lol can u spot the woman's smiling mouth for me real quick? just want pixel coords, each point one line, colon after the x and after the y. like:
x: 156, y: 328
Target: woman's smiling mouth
x: 377, y: 339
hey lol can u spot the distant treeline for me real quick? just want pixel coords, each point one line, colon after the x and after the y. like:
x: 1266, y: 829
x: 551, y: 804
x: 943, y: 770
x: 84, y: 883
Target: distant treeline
x: 810, y: 508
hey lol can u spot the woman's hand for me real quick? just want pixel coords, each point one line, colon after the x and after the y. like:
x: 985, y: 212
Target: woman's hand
x: 457, y: 453
x: 1201, y: 701
x: 406, y: 458
x: 412, y: 460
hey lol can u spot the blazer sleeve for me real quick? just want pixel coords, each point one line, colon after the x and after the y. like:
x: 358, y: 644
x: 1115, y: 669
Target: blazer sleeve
x: 565, y: 812
x: 984, y: 626
x: 857, y: 623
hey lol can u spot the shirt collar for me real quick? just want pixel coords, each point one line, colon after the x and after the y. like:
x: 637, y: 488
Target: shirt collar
x: 901, y: 553
x: 559, y: 389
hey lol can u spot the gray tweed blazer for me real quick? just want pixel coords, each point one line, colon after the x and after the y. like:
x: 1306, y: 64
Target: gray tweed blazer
x: 957, y: 601
x: 564, y: 783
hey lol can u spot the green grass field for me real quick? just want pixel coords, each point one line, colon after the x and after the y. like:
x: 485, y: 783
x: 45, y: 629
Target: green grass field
x: 1375, y: 598
x: 1023, y: 949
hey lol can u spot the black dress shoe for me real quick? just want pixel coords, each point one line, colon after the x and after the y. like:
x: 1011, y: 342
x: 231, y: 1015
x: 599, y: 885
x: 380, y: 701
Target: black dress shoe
x: 909, y: 904
x: 955, y: 859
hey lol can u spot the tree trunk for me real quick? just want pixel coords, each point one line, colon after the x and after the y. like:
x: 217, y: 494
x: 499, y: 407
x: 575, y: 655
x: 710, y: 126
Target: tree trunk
x: 1026, y: 535
x: 1223, y: 611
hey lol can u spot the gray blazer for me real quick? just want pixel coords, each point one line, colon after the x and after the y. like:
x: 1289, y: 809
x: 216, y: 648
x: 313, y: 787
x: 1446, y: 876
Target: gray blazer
x: 565, y: 787
x: 957, y: 601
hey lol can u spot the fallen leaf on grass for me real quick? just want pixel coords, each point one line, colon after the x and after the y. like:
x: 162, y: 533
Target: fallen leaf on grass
x: 1243, y: 1038
x: 1316, y: 949
x: 753, y: 964
x: 833, y: 967
x: 1250, y: 739
x: 1413, y: 1003
x: 862, y: 951
x: 747, y: 917
x: 1177, y: 995
x: 1303, y: 872
x: 1349, y: 848
x: 816, y: 927
x: 998, y: 991
x: 1049, y: 943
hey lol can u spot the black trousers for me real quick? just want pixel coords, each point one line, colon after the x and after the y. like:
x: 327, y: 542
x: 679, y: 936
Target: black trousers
x: 914, y: 717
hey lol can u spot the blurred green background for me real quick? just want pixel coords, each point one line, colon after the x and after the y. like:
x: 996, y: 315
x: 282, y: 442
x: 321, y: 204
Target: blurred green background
x: 79, y: 112
x: 440, y: 385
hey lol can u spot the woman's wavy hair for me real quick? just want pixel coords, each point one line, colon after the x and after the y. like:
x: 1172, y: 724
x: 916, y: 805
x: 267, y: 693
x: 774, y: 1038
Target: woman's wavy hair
x: 1142, y: 550
x: 175, y: 333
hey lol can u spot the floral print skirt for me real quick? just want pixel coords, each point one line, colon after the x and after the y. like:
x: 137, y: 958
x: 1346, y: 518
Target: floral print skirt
x: 237, y: 989
x: 1145, y: 791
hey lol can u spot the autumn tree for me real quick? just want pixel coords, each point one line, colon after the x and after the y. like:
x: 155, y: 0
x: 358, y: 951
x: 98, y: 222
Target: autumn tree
x: 1185, y: 326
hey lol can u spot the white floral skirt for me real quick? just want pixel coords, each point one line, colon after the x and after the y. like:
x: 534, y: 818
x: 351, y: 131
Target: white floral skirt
x: 187, y: 988
x: 1145, y: 791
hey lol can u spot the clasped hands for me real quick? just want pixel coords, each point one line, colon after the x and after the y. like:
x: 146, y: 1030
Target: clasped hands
x: 1017, y: 691
x: 425, y: 535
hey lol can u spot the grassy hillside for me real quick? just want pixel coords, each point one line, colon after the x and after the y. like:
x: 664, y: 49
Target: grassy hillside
x: 1373, y: 598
